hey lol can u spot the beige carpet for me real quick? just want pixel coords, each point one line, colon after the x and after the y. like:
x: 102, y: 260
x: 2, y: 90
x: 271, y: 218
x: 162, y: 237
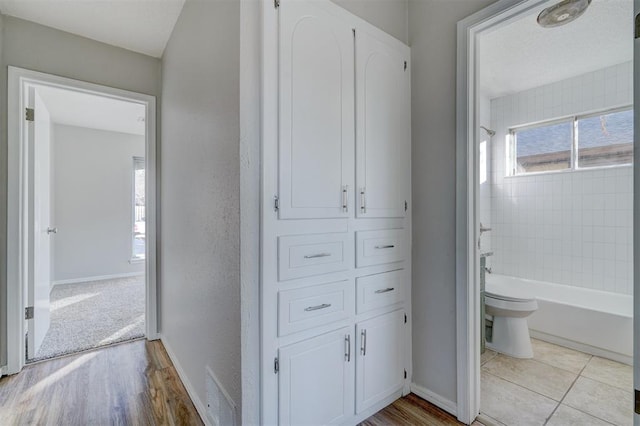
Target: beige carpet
x: 89, y: 315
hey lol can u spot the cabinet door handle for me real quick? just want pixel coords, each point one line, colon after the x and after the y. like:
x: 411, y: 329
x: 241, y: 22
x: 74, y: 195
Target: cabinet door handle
x: 347, y: 342
x: 315, y: 256
x: 345, y: 198
x: 363, y: 201
x: 387, y: 246
x: 317, y: 307
x: 385, y: 290
x: 363, y: 342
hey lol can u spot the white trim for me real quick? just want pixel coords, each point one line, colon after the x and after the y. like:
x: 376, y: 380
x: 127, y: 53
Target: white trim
x: 200, y: 406
x: 467, y: 222
x: 18, y: 78
x: 437, y: 400
x: 98, y: 278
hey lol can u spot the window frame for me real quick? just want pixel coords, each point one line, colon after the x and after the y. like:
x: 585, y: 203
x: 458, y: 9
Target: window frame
x: 512, y: 159
x: 136, y: 160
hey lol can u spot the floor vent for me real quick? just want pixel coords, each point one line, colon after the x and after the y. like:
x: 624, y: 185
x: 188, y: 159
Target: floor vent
x: 220, y: 408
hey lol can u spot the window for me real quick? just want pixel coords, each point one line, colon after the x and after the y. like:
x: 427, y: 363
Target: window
x: 139, y: 229
x: 598, y: 140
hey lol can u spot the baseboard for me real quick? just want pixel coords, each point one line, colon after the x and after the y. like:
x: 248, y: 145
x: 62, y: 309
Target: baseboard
x: 200, y: 406
x: 98, y: 278
x: 3, y: 370
x: 592, y: 350
x: 437, y: 400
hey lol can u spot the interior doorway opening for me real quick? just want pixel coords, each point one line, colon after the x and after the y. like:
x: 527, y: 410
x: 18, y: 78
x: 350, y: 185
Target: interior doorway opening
x: 81, y: 217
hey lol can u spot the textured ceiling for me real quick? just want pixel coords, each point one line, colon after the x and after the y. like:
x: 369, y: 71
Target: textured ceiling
x: 93, y: 111
x: 523, y: 55
x: 143, y: 26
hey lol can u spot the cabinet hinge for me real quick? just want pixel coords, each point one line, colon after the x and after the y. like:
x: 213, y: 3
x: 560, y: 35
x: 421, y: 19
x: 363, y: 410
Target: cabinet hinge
x: 637, y: 401
x: 30, y: 114
x: 276, y: 3
x: 276, y: 203
x: 276, y: 365
x: 405, y: 65
x: 354, y: 32
x: 28, y: 312
x: 405, y: 318
x: 406, y: 206
x: 405, y: 374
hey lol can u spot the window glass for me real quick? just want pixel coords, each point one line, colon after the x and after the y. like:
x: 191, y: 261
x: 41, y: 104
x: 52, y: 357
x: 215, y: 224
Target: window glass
x: 544, y: 148
x: 605, y: 140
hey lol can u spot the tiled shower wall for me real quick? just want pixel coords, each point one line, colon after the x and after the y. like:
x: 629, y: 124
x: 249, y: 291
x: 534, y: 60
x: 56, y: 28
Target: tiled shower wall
x: 573, y: 227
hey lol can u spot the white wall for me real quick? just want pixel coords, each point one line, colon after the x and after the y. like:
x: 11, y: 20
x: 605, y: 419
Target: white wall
x: 36, y: 47
x: 572, y: 228
x: 390, y: 16
x: 432, y: 36
x: 92, y: 202
x: 200, y: 184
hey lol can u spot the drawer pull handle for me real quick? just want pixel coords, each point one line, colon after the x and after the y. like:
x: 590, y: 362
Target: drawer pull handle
x: 315, y: 256
x: 385, y: 290
x: 388, y: 246
x: 318, y: 307
x: 363, y: 342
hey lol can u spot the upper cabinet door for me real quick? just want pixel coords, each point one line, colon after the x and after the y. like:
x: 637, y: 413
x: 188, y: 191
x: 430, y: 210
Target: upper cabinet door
x: 316, y: 112
x: 383, y: 133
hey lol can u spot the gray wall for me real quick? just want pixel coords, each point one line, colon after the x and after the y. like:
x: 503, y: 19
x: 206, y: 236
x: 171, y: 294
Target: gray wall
x: 432, y: 36
x: 92, y: 202
x: 36, y: 47
x: 200, y: 184
x: 390, y: 16
x: 3, y: 201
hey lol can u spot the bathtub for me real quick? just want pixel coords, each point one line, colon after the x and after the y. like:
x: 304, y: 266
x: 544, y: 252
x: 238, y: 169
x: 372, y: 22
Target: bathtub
x: 591, y: 321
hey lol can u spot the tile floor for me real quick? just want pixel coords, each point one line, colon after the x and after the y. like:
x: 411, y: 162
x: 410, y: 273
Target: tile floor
x: 559, y: 386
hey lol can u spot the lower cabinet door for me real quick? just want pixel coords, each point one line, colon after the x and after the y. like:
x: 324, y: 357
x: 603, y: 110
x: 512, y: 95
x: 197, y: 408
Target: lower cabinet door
x: 316, y: 380
x: 379, y: 365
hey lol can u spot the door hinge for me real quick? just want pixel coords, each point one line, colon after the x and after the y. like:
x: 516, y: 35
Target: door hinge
x: 405, y: 65
x: 637, y: 30
x: 406, y: 206
x: 30, y: 114
x: 276, y: 365
x: 354, y: 32
x: 637, y: 401
x: 405, y: 374
x: 276, y: 203
x: 405, y: 318
x: 276, y: 3
x: 28, y: 312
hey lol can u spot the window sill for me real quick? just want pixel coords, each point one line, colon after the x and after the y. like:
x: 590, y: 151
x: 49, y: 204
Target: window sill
x: 135, y: 260
x: 555, y: 172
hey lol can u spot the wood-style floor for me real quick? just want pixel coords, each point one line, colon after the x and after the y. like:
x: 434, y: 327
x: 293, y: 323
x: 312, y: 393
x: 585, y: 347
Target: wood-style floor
x: 136, y: 384
x: 128, y: 384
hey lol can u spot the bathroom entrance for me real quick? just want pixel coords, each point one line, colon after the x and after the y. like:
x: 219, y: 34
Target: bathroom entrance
x: 547, y: 277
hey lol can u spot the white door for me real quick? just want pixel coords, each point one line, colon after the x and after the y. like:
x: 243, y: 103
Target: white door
x: 39, y: 281
x: 316, y: 380
x: 316, y: 112
x: 636, y: 214
x: 379, y: 366
x: 383, y: 138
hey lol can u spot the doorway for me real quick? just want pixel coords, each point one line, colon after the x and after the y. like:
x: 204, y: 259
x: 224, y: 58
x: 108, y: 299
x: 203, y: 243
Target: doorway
x: 574, y: 254
x: 81, y: 267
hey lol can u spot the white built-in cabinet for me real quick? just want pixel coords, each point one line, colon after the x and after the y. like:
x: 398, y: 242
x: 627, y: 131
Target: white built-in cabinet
x: 336, y: 223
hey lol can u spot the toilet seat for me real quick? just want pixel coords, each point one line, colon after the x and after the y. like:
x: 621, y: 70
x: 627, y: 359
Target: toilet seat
x: 501, y: 291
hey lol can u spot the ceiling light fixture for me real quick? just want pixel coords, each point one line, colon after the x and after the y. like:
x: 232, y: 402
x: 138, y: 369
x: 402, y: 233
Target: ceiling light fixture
x: 562, y: 13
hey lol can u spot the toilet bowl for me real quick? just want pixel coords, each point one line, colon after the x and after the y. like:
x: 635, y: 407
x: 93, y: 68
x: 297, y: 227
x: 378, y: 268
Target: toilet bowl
x: 510, y: 308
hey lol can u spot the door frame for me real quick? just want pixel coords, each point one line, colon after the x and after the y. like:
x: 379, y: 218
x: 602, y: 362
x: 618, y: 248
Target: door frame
x: 469, y: 29
x: 17, y: 198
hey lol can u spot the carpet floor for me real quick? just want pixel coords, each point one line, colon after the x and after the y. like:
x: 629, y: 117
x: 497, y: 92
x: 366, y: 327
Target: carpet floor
x: 93, y: 314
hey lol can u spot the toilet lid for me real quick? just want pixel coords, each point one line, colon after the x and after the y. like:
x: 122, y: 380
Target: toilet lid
x: 504, y: 291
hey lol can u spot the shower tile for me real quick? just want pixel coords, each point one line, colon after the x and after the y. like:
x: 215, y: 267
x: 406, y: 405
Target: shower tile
x: 601, y: 400
x: 511, y: 404
x: 610, y: 372
x: 544, y: 379
x: 558, y: 356
x: 567, y: 416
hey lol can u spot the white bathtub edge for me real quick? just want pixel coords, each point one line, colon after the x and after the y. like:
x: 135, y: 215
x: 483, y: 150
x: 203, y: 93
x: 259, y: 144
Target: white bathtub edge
x: 581, y: 347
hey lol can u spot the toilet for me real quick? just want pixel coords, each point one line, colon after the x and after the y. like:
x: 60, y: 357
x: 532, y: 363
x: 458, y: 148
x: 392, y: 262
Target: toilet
x: 510, y: 306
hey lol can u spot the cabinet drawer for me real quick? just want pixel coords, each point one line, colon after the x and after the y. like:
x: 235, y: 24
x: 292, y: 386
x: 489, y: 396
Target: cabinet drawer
x: 308, y: 307
x: 380, y: 290
x: 305, y: 255
x: 378, y: 247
